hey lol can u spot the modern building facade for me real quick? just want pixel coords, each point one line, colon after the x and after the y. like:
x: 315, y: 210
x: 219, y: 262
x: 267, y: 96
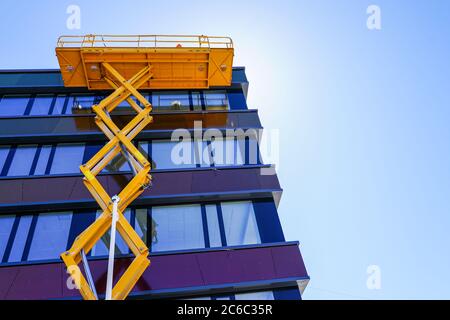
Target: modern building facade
x: 210, y: 220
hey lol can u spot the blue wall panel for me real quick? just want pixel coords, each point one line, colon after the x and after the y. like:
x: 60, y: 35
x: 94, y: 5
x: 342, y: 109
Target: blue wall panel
x: 287, y: 294
x: 269, y: 225
x: 237, y: 101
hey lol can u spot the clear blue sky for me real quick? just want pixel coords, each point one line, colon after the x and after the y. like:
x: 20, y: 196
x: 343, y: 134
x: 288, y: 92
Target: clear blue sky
x: 363, y: 118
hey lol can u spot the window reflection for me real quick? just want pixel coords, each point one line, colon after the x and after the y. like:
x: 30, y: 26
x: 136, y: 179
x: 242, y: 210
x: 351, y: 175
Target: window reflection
x: 196, y: 101
x: 44, y: 155
x: 6, y: 224
x: 20, y: 239
x: 41, y: 104
x: 197, y: 298
x: 259, y: 295
x: 170, y: 102
x: 202, y: 154
x: 101, y: 248
x: 80, y: 104
x: 172, y: 154
x: 228, y: 152
x: 118, y: 164
x: 50, y: 235
x: 22, y: 161
x: 165, y: 154
x: 13, y: 105
x: 213, y: 226
x: 177, y: 228
x: 216, y: 100
x: 240, y: 223
x: 59, y: 105
x: 124, y: 106
x: 141, y: 217
x: 4, y: 151
x: 68, y: 158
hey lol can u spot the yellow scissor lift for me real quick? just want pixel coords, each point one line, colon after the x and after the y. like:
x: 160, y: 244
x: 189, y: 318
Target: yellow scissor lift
x: 126, y: 64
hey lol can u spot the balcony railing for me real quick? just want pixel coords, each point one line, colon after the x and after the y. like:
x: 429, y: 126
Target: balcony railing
x: 145, y: 41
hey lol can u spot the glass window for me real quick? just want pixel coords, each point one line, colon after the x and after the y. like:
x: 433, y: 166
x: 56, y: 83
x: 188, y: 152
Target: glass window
x: 253, y: 152
x: 41, y: 165
x: 177, y: 228
x: 196, y: 101
x: 82, y: 102
x: 6, y: 223
x: 22, y: 161
x: 143, y: 148
x: 227, y: 152
x: 4, y: 151
x: 216, y: 100
x: 222, y: 298
x: 41, y: 104
x: 20, y: 239
x: 124, y: 106
x: 172, y: 154
x: 59, y: 104
x: 13, y: 105
x: 70, y: 105
x: 240, y: 223
x: 169, y: 102
x: 213, y: 226
x: 202, y: 153
x: 262, y: 295
x: 101, y: 248
x: 68, y: 158
x: 198, y: 298
x: 141, y: 218
x: 118, y: 164
x: 50, y: 236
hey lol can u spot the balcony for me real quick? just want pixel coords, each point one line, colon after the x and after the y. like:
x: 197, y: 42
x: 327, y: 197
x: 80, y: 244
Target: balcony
x: 68, y: 192
x: 176, y: 274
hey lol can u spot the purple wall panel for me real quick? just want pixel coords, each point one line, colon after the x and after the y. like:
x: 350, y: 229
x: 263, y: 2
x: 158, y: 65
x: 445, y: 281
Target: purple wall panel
x: 171, y: 184
x: 10, y: 191
x: 238, y: 266
x: 48, y: 281
x: 37, y: 282
x: 286, y: 261
x: 7, y: 276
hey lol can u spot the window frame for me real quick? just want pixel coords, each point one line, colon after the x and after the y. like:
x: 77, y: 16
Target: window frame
x: 25, y: 225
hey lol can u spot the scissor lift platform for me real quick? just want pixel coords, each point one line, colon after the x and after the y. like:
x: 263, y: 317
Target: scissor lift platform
x: 125, y: 64
x: 177, y: 62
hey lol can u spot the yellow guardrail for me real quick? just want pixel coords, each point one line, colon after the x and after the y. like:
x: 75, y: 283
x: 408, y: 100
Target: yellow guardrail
x: 145, y: 41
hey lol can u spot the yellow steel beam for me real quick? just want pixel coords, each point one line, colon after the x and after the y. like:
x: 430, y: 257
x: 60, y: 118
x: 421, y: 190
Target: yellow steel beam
x: 120, y: 141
